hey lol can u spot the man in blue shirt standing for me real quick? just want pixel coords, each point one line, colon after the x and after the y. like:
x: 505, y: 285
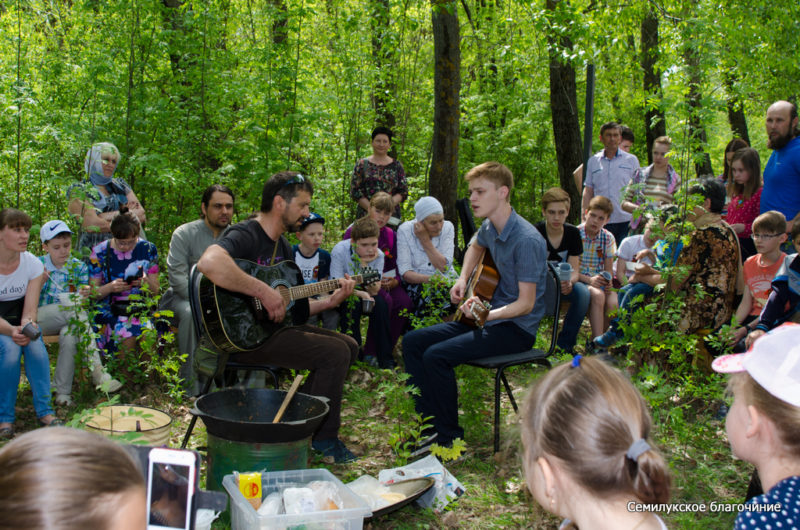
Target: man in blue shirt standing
x: 782, y: 173
x: 520, y: 253
x: 607, y: 173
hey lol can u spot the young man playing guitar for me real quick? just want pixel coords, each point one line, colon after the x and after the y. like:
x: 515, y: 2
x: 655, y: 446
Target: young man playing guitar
x: 520, y: 252
x: 285, y: 203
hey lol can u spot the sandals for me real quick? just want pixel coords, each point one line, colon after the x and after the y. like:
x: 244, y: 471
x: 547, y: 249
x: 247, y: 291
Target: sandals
x: 55, y: 422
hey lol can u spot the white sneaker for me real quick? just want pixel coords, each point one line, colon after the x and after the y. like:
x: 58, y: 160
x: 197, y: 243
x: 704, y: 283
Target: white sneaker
x: 64, y: 400
x: 102, y: 379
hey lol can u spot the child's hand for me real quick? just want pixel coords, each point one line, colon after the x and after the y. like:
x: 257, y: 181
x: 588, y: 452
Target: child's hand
x: 738, y: 335
x: 119, y: 285
x: 566, y: 287
x: 753, y: 336
x: 84, y: 291
x: 599, y: 282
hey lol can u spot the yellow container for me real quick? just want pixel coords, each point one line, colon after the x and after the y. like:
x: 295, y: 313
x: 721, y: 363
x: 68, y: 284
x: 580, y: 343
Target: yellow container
x: 152, y: 424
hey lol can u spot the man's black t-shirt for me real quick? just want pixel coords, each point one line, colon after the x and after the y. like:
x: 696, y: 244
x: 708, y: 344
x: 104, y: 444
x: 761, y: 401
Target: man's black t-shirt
x: 247, y: 240
x: 571, y: 242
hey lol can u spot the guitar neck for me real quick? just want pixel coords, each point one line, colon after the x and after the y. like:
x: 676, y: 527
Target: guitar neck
x: 312, y: 289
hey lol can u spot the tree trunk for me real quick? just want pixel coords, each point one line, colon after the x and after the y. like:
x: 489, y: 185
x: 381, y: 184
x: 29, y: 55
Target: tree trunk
x: 443, y: 175
x: 564, y: 107
x: 697, y: 133
x: 655, y: 124
x: 735, y: 106
x: 384, y: 62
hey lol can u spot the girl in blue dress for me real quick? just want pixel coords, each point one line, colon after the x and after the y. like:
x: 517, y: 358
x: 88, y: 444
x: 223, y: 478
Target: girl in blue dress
x: 118, y: 267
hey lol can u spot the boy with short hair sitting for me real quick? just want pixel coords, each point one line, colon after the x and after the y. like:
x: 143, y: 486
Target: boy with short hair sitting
x: 634, y: 249
x: 350, y: 256
x: 643, y: 280
x: 315, y: 262
x: 768, y: 233
x: 784, y: 299
x: 564, y: 245
x: 66, y: 275
x: 597, y: 262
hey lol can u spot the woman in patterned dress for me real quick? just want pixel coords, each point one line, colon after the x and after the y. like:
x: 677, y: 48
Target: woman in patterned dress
x: 118, y: 267
x: 379, y: 172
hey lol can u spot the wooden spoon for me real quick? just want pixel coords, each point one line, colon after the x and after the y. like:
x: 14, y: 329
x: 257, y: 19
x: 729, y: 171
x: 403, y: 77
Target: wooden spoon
x: 289, y: 395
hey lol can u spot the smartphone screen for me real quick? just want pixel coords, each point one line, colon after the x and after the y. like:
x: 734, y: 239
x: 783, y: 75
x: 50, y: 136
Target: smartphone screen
x: 169, y: 495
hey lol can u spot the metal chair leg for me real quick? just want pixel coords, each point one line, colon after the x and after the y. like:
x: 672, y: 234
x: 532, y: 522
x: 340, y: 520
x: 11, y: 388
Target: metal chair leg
x: 205, y: 391
x: 497, y: 377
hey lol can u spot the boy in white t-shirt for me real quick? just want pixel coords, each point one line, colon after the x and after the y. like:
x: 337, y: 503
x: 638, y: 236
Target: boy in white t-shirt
x: 350, y: 256
x: 66, y: 275
x: 634, y: 249
x: 315, y: 262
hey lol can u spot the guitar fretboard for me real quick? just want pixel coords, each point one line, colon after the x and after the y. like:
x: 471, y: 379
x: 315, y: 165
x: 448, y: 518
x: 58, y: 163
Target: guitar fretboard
x: 304, y: 291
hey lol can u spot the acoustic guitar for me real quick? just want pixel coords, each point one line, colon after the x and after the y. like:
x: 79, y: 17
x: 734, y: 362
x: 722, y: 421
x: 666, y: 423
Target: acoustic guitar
x: 482, y: 282
x: 237, y: 322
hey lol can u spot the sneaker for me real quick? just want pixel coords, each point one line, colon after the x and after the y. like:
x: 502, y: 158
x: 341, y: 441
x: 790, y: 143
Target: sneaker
x: 64, y: 400
x: 371, y: 360
x: 423, y: 445
x: 607, y: 339
x: 101, y: 378
x: 335, y: 448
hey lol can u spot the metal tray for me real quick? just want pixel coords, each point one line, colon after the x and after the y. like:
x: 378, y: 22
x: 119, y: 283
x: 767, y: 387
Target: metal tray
x: 411, y: 488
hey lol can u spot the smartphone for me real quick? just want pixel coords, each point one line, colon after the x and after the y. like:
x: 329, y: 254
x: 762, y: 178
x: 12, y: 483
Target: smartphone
x: 170, y: 489
x: 133, y: 277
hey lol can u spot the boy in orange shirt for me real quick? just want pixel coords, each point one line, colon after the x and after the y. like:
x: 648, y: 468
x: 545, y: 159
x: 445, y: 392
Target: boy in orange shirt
x: 769, y: 233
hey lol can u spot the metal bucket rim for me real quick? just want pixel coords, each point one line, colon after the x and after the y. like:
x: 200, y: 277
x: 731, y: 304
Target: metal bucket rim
x: 197, y: 412
x: 112, y: 407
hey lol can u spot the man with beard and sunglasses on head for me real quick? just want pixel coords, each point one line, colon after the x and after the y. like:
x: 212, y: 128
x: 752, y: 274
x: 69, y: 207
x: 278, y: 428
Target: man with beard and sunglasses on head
x: 781, y: 190
x: 285, y: 202
x: 188, y: 243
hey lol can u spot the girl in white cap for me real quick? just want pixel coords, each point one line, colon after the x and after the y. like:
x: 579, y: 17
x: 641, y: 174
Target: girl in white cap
x: 585, y: 431
x: 763, y: 424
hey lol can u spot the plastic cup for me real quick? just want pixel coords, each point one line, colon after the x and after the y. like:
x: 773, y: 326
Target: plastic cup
x: 564, y: 272
x: 367, y: 306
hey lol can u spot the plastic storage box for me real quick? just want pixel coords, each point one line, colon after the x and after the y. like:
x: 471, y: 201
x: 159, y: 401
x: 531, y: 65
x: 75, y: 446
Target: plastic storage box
x: 244, y: 517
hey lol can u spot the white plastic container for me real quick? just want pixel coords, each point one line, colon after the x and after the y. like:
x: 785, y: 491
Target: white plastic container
x: 203, y: 519
x: 244, y: 517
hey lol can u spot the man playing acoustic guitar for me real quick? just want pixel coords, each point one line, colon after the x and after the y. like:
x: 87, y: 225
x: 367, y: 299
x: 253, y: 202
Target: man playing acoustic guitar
x: 285, y: 203
x: 520, y: 252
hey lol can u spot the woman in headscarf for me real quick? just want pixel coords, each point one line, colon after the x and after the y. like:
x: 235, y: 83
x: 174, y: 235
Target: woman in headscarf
x: 425, y: 248
x: 95, y: 202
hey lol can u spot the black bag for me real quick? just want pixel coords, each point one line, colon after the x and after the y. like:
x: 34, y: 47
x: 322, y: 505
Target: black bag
x: 11, y: 310
x: 123, y: 308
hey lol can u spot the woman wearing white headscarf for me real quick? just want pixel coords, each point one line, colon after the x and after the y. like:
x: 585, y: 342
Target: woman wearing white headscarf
x: 95, y: 202
x: 425, y: 248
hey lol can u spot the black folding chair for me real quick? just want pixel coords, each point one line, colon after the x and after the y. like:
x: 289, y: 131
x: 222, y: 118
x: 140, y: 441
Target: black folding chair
x: 224, y: 363
x: 467, y: 226
x: 552, y: 301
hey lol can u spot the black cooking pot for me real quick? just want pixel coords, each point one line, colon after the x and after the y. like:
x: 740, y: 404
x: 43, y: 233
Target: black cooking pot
x: 245, y: 415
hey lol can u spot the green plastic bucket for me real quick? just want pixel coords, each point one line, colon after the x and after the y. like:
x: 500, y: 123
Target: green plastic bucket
x: 227, y: 456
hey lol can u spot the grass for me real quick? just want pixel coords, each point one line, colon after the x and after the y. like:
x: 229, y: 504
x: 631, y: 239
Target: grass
x: 496, y: 496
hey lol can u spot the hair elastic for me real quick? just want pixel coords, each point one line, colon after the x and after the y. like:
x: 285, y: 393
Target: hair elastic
x: 576, y: 361
x: 637, y: 448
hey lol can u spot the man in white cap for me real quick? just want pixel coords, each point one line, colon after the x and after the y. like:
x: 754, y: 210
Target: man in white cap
x: 66, y: 275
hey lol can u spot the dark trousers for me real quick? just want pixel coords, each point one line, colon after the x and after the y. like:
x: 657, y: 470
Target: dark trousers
x: 431, y: 355
x: 326, y: 353
x: 378, y: 331
x: 618, y: 230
